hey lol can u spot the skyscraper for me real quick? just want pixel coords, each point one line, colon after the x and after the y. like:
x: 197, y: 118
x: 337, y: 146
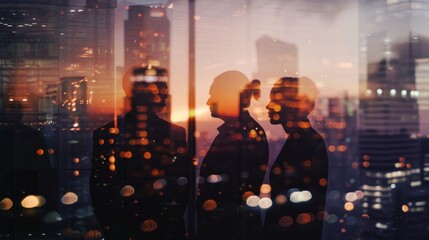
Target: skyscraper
x: 389, y: 153
x: 422, y: 86
x: 147, y: 37
x: 276, y: 59
x: 147, y: 41
x: 42, y: 41
x: 44, y: 44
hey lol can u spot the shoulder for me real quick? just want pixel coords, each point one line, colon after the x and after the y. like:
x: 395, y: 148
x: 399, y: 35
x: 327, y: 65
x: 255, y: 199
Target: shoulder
x: 254, y: 131
x: 175, y: 131
x: 162, y: 123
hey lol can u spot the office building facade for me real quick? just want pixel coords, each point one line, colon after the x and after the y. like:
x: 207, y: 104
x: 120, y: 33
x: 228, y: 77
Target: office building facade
x: 391, y: 42
x: 42, y: 41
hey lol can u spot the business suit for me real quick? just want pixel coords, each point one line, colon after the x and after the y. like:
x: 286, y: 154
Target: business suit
x: 299, y: 175
x: 140, y: 178
x: 302, y: 165
x: 232, y: 167
x: 25, y: 170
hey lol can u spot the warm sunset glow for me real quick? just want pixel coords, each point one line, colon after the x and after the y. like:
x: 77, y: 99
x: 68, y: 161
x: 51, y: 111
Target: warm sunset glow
x: 182, y: 116
x: 214, y: 120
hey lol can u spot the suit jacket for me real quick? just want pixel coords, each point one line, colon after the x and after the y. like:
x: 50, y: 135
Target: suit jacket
x: 139, y: 179
x: 301, y: 167
x: 24, y: 170
x: 232, y: 167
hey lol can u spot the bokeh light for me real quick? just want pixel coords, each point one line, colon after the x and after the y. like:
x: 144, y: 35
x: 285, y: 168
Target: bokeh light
x: 149, y: 225
x: 348, y: 206
x: 69, y: 198
x: 52, y: 217
x: 280, y: 199
x: 214, y: 178
x: 265, y: 203
x: 351, y: 197
x: 265, y: 188
x: 159, y: 184
x: 253, y: 201
x: 6, y: 204
x: 304, y: 218
x: 40, y: 152
x: 209, y: 205
x: 359, y: 194
x: 32, y: 201
x: 297, y: 196
x: 286, y: 221
x: 127, y: 191
x: 246, y: 195
x: 92, y: 234
x: 182, y: 181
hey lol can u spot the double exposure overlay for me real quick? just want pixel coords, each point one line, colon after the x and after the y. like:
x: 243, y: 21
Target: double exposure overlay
x: 203, y: 119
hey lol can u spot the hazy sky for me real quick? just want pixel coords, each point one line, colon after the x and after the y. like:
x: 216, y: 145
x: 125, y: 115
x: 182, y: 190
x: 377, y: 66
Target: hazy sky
x: 324, y: 32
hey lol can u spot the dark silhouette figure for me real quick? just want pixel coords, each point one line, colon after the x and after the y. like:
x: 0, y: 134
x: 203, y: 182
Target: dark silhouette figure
x: 24, y: 164
x: 140, y: 171
x: 299, y: 175
x: 232, y: 169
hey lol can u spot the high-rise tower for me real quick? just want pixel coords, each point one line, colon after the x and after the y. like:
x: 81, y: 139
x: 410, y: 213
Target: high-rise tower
x: 391, y: 42
x: 147, y: 37
x: 42, y: 41
x: 147, y: 41
x: 276, y: 59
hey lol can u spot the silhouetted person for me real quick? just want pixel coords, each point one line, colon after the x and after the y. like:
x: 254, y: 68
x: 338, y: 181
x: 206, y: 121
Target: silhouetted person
x: 231, y: 170
x: 24, y: 163
x: 140, y: 171
x: 299, y: 175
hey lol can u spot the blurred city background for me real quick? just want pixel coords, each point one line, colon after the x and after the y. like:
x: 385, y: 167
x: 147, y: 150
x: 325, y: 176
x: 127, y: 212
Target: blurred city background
x: 63, y: 61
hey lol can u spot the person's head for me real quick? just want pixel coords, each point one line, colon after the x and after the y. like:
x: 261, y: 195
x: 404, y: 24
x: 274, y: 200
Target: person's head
x: 291, y: 100
x: 230, y: 93
x: 146, y: 86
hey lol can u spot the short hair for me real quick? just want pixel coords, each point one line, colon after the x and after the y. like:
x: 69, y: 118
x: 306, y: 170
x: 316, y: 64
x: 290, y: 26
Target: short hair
x: 127, y: 82
x: 292, y: 88
x: 233, y: 82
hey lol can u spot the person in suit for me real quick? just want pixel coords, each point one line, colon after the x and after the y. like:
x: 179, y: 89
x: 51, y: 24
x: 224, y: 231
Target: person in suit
x: 140, y: 169
x: 299, y: 174
x: 25, y: 193
x: 231, y: 171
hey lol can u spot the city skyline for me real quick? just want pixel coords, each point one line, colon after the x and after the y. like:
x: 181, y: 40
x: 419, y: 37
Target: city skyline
x: 228, y: 43
x: 389, y: 151
x: 62, y: 64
